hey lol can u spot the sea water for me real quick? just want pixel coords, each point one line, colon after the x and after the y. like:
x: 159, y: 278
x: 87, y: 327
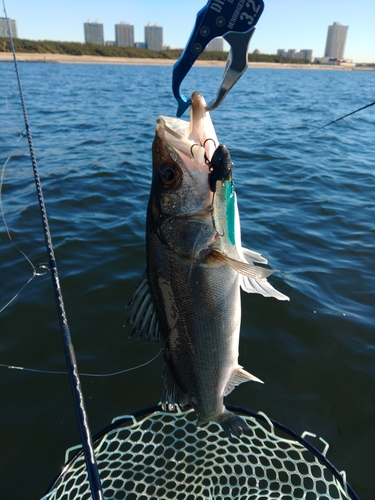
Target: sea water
x: 306, y: 203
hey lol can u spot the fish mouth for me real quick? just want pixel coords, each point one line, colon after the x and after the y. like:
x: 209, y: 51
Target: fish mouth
x: 194, y: 141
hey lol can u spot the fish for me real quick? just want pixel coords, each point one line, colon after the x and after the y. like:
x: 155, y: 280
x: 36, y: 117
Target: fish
x: 189, y: 296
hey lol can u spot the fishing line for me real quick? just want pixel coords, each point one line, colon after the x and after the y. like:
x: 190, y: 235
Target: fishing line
x: 17, y: 294
x: 3, y: 214
x: 52, y: 372
x: 71, y: 362
x: 341, y: 118
x: 36, y: 272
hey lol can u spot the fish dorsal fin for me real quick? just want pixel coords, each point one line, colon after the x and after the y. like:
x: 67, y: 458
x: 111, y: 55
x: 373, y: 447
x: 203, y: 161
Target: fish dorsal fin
x: 143, y: 316
x: 250, y: 270
x: 239, y: 376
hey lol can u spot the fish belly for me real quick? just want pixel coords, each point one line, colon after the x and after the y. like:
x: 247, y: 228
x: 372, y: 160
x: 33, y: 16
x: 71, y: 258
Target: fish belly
x: 199, y: 310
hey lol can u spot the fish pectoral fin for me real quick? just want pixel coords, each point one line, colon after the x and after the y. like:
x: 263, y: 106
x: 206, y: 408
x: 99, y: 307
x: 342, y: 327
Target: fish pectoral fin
x: 239, y: 377
x: 264, y: 288
x: 143, y: 316
x: 252, y: 256
x: 249, y: 270
x: 171, y: 393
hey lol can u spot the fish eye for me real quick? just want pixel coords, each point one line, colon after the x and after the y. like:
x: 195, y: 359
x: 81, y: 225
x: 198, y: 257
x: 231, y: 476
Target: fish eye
x: 169, y: 175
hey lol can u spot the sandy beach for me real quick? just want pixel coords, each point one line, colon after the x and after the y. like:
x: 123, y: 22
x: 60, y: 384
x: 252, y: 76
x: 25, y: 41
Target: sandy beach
x: 68, y: 59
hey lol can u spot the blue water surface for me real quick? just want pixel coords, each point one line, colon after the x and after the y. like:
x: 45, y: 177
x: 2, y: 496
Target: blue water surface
x: 306, y: 203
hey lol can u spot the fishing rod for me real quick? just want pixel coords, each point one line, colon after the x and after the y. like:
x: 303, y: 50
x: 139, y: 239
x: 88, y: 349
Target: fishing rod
x: 341, y: 118
x: 70, y: 358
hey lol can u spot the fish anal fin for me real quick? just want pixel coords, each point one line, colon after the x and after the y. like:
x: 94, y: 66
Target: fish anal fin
x: 239, y: 377
x: 143, y: 315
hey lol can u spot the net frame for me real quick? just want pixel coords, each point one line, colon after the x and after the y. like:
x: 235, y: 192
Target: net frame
x: 158, y: 463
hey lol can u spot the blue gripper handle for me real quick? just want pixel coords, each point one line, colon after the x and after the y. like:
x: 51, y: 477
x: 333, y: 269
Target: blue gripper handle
x: 217, y: 18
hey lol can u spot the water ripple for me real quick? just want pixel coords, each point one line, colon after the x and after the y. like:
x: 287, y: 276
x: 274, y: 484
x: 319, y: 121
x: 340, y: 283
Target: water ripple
x: 306, y: 203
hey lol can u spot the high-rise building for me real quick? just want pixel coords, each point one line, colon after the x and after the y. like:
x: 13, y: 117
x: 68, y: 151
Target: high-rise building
x: 293, y: 54
x: 4, y: 28
x: 154, y: 37
x: 124, y: 34
x: 215, y: 45
x: 94, y: 32
x: 336, y: 39
x: 306, y: 54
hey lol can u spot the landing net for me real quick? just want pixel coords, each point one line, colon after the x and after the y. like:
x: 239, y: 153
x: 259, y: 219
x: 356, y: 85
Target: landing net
x: 158, y: 455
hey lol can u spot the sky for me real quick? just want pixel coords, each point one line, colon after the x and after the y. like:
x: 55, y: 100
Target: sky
x: 285, y: 24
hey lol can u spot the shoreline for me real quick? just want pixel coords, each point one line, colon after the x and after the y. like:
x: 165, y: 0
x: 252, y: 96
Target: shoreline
x: 69, y: 59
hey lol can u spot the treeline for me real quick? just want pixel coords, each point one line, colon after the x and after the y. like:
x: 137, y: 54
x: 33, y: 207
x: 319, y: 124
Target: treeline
x: 90, y: 49
x: 270, y: 58
x: 84, y: 49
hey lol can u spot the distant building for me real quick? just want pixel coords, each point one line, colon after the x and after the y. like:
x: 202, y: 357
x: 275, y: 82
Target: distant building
x: 124, y: 34
x: 306, y: 54
x: 321, y: 60
x: 94, y: 32
x: 336, y: 40
x: 216, y: 45
x: 154, y: 37
x: 4, y: 28
x: 293, y: 54
x: 140, y: 45
x: 334, y: 61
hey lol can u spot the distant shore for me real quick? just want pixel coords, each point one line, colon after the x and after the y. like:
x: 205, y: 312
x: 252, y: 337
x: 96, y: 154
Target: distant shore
x: 68, y: 59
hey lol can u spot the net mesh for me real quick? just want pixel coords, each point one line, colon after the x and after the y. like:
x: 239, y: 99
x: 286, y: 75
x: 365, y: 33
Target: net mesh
x: 164, y: 455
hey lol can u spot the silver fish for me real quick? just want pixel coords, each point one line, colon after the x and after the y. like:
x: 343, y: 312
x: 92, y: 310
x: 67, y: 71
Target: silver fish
x: 189, y: 296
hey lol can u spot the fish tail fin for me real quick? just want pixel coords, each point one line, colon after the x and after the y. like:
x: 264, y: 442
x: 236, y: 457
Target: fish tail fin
x: 233, y: 425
